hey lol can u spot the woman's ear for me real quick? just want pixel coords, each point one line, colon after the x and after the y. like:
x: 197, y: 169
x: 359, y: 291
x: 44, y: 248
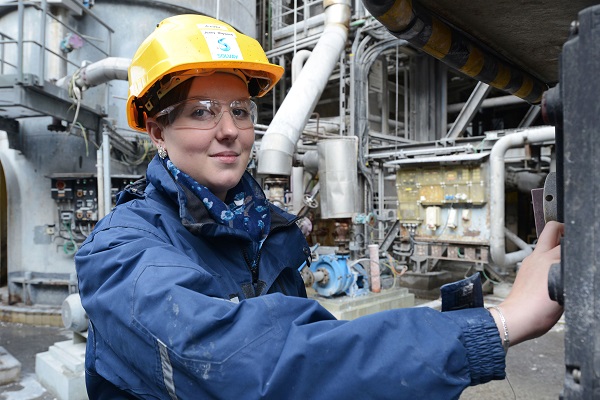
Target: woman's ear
x: 155, y: 132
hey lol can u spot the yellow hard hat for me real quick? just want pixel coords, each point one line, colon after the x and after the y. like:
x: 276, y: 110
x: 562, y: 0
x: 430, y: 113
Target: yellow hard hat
x: 191, y: 45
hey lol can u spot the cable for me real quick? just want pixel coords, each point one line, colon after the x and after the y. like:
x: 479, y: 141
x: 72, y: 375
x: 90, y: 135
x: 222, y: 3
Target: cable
x: 488, y: 278
x: 70, y: 246
x: 75, y: 94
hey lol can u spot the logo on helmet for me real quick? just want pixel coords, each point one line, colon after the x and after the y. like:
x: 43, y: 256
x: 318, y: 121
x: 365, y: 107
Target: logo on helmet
x: 222, y: 45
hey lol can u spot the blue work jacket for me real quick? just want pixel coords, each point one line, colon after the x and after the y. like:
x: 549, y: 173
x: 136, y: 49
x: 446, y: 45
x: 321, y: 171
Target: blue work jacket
x: 176, y: 311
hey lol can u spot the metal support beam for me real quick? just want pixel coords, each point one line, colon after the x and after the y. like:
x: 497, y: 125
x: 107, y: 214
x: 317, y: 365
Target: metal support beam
x: 467, y: 114
x: 30, y: 100
x: 390, y: 236
x: 530, y: 116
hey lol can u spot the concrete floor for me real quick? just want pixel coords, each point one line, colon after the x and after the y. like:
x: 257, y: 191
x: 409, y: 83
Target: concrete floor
x: 23, y: 342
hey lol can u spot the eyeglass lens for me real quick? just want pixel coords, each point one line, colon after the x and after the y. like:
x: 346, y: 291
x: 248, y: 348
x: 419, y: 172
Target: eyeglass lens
x: 206, y: 114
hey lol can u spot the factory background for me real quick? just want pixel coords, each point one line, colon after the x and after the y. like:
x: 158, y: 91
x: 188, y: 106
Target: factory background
x: 368, y: 137
x: 408, y: 171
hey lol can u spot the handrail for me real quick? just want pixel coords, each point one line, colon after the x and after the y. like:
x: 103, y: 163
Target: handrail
x: 41, y: 42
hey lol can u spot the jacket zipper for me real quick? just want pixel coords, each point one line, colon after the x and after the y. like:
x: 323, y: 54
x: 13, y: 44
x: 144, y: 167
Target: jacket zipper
x: 253, y: 265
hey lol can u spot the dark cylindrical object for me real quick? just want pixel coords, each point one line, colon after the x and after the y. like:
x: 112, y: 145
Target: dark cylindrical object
x: 406, y: 20
x: 555, y: 284
x: 552, y: 112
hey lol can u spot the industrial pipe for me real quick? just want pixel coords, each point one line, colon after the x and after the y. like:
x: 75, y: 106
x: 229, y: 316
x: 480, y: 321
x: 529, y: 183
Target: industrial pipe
x: 407, y: 20
x: 374, y: 270
x: 497, y: 177
x: 298, y: 62
x: 279, y: 142
x: 97, y: 73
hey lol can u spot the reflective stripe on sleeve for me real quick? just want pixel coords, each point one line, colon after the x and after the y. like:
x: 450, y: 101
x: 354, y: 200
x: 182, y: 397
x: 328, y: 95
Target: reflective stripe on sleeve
x: 167, y: 370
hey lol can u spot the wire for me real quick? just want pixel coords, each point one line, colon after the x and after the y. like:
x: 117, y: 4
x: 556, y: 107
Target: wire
x: 75, y: 94
x: 70, y: 246
x: 488, y: 278
x: 84, y: 134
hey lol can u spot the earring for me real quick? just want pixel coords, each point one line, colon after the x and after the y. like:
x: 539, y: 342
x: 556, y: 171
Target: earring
x: 162, y: 153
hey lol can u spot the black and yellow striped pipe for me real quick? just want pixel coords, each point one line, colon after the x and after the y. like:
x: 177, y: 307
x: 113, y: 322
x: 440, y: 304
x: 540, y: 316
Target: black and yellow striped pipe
x: 407, y: 21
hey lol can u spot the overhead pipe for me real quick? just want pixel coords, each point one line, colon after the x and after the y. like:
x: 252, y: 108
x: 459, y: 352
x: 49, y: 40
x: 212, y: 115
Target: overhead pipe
x: 279, y: 142
x: 499, y: 101
x: 408, y: 20
x: 497, y: 177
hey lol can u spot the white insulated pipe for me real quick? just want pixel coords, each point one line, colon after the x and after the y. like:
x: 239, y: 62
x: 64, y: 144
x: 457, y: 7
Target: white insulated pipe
x: 374, y: 269
x: 297, y: 183
x: 97, y: 73
x: 279, y: 142
x: 298, y: 62
x: 497, y: 177
x: 105, y: 70
x: 106, y: 181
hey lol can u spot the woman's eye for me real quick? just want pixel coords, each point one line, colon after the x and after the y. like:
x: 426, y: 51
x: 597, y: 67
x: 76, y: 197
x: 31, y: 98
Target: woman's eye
x: 202, y: 113
x: 240, y: 113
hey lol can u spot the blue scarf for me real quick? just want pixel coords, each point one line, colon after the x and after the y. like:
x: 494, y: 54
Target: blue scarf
x: 245, y: 206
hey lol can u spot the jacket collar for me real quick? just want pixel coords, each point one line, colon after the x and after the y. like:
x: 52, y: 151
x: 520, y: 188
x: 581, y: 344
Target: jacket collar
x: 192, y: 211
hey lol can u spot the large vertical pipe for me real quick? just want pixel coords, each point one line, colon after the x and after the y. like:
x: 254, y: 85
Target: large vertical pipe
x: 42, y: 66
x: 21, y: 17
x: 100, y: 181
x: 297, y: 188
x: 279, y: 142
x: 374, y: 270
x: 106, y: 169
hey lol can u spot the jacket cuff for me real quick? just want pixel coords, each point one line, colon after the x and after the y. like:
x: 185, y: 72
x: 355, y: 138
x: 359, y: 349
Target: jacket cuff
x: 487, y: 359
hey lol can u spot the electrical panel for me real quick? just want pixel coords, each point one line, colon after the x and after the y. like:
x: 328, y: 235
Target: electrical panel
x: 76, y: 196
x: 447, y: 185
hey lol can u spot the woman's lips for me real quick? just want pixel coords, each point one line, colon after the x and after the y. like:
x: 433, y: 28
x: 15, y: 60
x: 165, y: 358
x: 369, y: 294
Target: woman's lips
x: 226, y: 156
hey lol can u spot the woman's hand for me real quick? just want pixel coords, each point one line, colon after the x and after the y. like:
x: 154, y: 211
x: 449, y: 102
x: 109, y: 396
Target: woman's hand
x: 528, y: 309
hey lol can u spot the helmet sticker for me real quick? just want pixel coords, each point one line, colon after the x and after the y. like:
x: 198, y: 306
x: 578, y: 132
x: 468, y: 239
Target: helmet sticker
x: 222, y: 45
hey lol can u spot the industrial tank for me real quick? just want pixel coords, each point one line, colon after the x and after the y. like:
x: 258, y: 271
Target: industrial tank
x: 50, y: 165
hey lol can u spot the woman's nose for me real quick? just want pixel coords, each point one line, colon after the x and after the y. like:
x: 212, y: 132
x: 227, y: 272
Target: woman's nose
x: 227, y: 130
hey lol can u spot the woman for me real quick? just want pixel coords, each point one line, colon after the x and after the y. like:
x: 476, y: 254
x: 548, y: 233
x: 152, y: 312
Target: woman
x: 191, y: 283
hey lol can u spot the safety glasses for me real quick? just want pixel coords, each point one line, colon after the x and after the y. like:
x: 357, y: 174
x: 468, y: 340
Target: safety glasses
x: 202, y: 113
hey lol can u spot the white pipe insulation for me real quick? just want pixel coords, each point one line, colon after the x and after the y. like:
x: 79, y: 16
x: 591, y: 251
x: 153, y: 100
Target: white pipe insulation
x: 279, y: 142
x: 497, y: 177
x: 97, y: 73
x: 298, y: 62
x: 105, y: 70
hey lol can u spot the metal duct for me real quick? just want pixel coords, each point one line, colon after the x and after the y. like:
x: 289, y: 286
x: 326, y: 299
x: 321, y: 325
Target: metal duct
x: 278, y: 144
x: 407, y: 20
x: 338, y: 177
x: 108, y: 69
x: 97, y: 73
x: 497, y: 177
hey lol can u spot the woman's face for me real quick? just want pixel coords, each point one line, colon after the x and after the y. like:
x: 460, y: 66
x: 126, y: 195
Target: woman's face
x: 216, y: 157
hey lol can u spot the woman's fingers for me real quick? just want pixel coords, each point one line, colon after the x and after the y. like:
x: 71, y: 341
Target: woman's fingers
x: 550, y: 237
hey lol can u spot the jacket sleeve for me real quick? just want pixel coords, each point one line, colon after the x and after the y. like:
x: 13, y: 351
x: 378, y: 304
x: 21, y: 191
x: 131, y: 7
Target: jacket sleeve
x: 158, y: 331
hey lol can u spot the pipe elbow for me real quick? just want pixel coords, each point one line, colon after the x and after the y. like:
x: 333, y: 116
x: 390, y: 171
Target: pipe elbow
x: 275, y: 154
x: 337, y: 12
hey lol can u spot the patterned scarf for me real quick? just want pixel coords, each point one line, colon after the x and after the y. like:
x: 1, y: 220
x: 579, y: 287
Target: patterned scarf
x: 245, y: 206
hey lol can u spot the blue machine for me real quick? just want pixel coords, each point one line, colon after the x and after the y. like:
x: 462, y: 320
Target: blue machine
x: 333, y: 276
